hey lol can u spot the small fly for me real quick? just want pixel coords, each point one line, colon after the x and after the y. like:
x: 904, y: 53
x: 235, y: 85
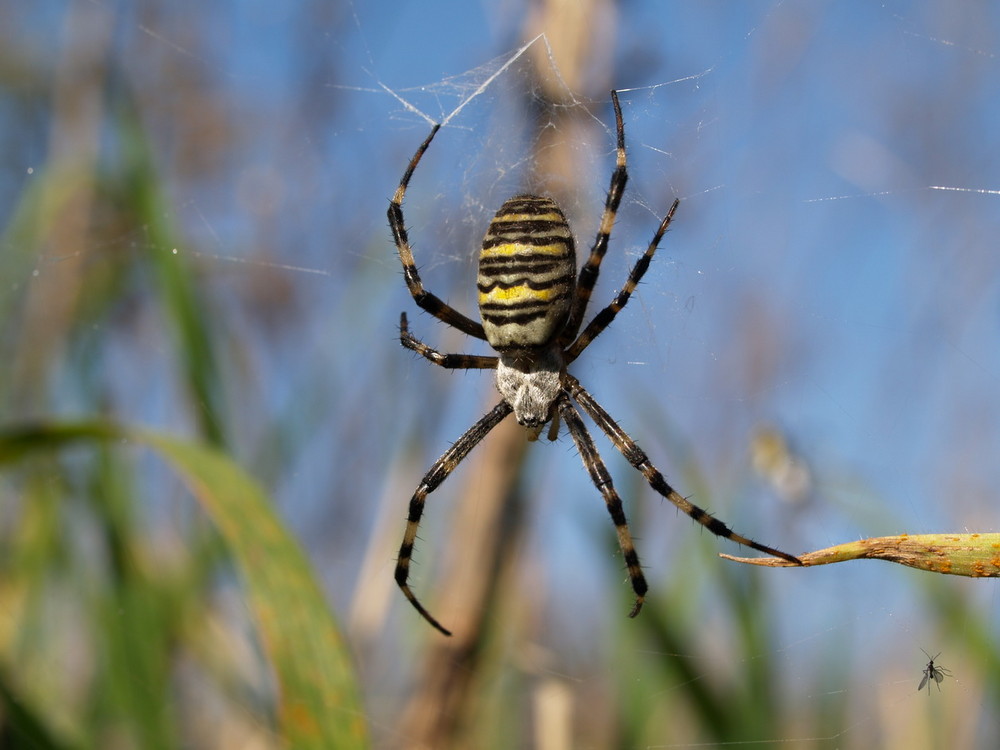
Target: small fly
x: 933, y: 672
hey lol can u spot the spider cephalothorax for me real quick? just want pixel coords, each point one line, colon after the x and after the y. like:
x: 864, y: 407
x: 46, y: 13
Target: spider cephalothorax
x: 532, y: 302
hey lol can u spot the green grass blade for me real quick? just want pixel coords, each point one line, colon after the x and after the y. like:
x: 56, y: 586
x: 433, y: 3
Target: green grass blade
x: 319, y: 705
x: 22, y: 728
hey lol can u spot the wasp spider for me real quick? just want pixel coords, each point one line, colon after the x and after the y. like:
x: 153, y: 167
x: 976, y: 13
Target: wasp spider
x: 532, y: 304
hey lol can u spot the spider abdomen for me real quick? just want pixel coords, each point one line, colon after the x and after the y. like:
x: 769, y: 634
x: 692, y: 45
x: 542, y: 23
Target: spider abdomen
x: 527, y: 274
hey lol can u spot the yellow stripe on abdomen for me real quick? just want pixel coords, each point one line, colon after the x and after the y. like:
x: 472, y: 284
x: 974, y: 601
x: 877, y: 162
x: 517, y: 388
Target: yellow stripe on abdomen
x: 527, y: 274
x: 522, y: 293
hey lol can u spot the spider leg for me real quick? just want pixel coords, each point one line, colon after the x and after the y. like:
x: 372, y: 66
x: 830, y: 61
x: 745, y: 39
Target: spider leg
x: 588, y: 274
x: 434, y: 476
x: 603, y: 319
x: 425, y: 300
x: 448, y: 361
x: 553, y: 434
x: 602, y: 480
x: 637, y: 457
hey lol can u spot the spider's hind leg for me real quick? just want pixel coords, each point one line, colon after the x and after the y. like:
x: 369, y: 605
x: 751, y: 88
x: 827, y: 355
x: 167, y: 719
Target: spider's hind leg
x: 587, y: 278
x: 427, y: 301
x: 603, y: 319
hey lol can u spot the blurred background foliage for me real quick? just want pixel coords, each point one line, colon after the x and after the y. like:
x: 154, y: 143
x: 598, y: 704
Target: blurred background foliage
x: 193, y: 240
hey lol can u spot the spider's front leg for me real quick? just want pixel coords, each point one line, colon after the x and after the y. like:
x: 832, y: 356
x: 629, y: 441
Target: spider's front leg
x: 440, y: 471
x: 638, y: 458
x: 602, y: 480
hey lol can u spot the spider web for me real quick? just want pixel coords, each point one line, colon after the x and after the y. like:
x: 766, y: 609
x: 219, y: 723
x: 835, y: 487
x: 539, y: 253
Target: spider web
x: 830, y: 279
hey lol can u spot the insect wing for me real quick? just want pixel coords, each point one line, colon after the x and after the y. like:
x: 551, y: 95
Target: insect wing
x: 923, y: 682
